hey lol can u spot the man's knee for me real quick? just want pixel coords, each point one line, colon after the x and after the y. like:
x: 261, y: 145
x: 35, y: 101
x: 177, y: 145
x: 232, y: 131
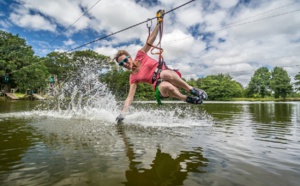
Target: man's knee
x: 166, y: 75
x: 166, y: 87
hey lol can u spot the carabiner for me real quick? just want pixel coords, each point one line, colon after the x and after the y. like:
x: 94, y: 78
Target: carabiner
x: 150, y: 23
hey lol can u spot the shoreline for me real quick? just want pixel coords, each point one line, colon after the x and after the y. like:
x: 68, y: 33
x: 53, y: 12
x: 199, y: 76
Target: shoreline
x: 23, y: 97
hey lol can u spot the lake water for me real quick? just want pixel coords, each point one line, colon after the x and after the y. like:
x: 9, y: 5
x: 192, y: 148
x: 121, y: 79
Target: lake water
x: 217, y: 143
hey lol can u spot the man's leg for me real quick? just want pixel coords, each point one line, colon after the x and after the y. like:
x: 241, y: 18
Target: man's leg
x: 173, y: 78
x: 166, y: 89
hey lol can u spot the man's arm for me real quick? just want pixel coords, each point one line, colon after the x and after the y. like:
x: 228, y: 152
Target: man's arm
x: 127, y: 102
x: 129, y: 98
x: 151, y: 39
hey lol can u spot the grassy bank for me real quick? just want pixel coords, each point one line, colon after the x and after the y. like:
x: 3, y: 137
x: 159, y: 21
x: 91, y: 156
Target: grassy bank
x: 265, y: 99
x: 19, y: 95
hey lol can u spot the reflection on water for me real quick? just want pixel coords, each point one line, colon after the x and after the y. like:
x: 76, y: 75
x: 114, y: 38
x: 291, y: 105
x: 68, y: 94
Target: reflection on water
x: 60, y: 152
x: 268, y: 113
x: 260, y: 140
x: 7, y: 106
x: 223, y: 111
x: 242, y: 144
x: 272, y: 121
x: 164, y: 170
x: 15, y: 138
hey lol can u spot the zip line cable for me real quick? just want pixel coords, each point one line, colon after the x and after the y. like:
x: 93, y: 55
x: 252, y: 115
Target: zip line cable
x: 257, y: 59
x: 106, y: 35
x: 114, y: 33
x: 179, y: 6
x: 262, y: 13
x: 74, y: 22
x: 167, y: 13
x: 257, y: 20
x: 61, y: 33
x: 174, y: 41
x: 226, y: 26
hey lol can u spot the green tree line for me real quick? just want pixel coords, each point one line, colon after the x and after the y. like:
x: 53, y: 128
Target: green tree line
x: 21, y: 69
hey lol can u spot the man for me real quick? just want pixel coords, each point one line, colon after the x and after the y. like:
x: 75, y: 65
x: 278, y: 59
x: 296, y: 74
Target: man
x: 144, y: 67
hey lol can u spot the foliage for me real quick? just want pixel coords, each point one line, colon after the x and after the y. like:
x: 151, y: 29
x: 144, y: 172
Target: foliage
x: 33, y: 77
x: 88, y: 56
x: 19, y: 65
x: 221, y: 87
x: 217, y: 86
x: 297, y: 83
x: 61, y: 64
x: 280, y: 83
x: 259, y: 83
x: 20, y: 68
x: 117, y: 81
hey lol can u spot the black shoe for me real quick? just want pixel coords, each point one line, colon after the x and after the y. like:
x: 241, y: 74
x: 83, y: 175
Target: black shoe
x: 194, y: 100
x: 199, y: 93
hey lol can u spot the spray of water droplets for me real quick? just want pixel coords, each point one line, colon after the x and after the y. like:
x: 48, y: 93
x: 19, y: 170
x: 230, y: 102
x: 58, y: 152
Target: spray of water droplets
x: 83, y: 96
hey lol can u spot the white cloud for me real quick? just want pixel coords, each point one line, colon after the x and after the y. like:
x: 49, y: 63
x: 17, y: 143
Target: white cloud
x: 108, y: 51
x: 35, y: 22
x: 214, y: 20
x: 63, y: 13
x: 228, y: 3
x: 69, y: 42
x: 117, y: 15
x: 179, y: 48
x: 5, y: 24
x: 189, y: 16
x: 242, y: 50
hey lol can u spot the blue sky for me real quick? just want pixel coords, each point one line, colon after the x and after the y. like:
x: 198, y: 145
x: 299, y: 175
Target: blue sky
x: 202, y: 38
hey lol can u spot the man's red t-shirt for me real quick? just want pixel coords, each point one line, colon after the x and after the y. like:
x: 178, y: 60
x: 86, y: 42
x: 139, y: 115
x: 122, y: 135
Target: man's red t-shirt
x: 146, y: 70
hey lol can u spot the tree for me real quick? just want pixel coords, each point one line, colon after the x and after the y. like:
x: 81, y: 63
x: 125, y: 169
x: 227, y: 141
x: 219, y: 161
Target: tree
x: 280, y: 82
x: 58, y: 64
x: 117, y: 82
x: 88, y: 57
x: 33, y: 77
x: 63, y: 64
x: 221, y: 87
x: 297, y: 83
x: 18, y: 64
x: 259, y: 83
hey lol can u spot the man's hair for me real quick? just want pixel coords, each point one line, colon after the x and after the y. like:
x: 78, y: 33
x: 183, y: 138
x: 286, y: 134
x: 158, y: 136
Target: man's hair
x: 120, y: 53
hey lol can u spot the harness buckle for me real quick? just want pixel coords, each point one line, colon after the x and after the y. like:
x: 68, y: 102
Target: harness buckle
x: 157, y: 70
x: 154, y: 77
x: 149, y: 23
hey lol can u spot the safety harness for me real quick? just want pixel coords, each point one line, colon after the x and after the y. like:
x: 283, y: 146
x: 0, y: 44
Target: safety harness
x: 161, y: 62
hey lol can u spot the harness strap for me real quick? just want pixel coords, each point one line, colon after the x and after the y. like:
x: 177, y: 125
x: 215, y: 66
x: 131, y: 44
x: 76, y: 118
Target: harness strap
x: 157, y: 96
x: 158, y: 70
x: 161, y: 62
x: 158, y: 46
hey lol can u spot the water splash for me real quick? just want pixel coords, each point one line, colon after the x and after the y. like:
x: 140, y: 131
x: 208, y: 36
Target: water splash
x: 83, y: 96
